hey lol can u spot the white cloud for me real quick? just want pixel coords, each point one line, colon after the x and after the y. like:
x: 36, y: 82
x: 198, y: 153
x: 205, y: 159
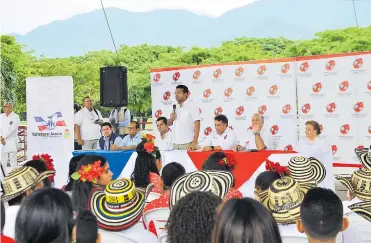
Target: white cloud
x: 22, y: 16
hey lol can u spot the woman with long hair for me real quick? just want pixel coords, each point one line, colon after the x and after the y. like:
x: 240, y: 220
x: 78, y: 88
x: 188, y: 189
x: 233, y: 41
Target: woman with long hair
x: 92, y: 171
x: 72, y: 169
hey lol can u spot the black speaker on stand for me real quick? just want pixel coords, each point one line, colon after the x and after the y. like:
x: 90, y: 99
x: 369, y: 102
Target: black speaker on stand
x: 113, y: 86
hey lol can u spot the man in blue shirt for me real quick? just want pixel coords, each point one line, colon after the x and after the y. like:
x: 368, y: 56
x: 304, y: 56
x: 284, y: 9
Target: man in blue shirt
x: 120, y: 118
x: 109, y: 138
x: 133, y: 138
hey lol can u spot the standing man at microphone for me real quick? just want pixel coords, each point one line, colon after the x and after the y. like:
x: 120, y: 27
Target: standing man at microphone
x: 108, y: 138
x: 186, y: 121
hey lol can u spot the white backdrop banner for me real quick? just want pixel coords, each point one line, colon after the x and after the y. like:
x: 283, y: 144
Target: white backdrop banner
x: 50, y: 121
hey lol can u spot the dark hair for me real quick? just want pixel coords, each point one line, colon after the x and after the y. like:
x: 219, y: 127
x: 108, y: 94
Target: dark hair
x: 265, y: 179
x: 46, y: 216
x: 212, y: 162
x: 86, y: 227
x: 106, y: 124
x: 76, y: 107
x: 81, y: 190
x: 86, y: 97
x: 183, y: 87
x: 2, y: 216
x: 72, y: 169
x: 170, y: 173
x: 162, y: 118
x: 321, y: 213
x: 136, y: 124
x: 245, y: 220
x: 315, y: 126
x: 192, y: 218
x: 145, y: 163
x: 41, y: 168
x: 221, y: 118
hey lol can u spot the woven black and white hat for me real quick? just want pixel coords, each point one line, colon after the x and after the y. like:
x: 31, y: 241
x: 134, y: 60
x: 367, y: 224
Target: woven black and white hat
x: 363, y: 209
x: 359, y: 183
x: 304, y: 169
x: 364, y: 156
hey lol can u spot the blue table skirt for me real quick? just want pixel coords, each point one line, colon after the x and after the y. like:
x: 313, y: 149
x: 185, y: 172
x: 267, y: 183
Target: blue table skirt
x: 117, y: 159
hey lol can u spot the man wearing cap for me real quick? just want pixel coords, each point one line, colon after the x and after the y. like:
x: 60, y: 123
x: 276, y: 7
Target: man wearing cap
x: 9, y: 138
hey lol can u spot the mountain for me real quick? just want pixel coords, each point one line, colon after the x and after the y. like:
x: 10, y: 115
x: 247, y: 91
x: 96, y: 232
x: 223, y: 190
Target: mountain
x: 292, y: 19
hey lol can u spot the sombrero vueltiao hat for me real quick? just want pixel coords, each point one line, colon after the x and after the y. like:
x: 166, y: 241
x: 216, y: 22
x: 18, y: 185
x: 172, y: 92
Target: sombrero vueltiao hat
x: 363, y: 209
x: 359, y: 183
x: 305, y: 170
x: 118, y: 207
x: 20, y: 180
x: 364, y: 156
x: 217, y: 182
x: 284, y: 198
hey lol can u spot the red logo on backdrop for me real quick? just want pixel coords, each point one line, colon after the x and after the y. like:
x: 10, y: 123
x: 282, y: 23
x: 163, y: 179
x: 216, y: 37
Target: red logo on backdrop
x: 334, y: 149
x: 176, y: 76
x: 331, y: 107
x: 317, y: 87
x: 369, y: 85
x: 344, y: 129
x: 207, y: 131
x: 358, y: 107
x: 304, y: 66
x: 207, y: 93
x: 240, y: 110
x: 166, y: 95
x: 344, y: 86
x: 262, y: 69
x: 196, y: 74
x: 156, y: 77
x: 360, y: 147
x: 228, y: 92
x: 288, y: 148
x: 286, y: 109
x: 305, y: 108
x: 358, y: 63
x: 262, y: 109
x: 285, y: 68
x: 369, y: 129
x: 273, y: 89
x: 158, y: 113
x: 217, y: 73
x: 274, y: 129
x: 250, y: 91
x: 330, y: 65
x: 239, y: 72
x: 218, y: 111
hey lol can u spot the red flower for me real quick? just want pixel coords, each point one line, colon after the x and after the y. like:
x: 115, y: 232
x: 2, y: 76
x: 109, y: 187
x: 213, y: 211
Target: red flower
x: 276, y: 167
x: 149, y: 147
x: 228, y: 161
x: 47, y: 159
x: 89, y: 172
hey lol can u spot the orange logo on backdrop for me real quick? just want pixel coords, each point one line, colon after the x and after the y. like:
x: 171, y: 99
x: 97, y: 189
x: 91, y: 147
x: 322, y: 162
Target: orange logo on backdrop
x: 156, y: 77
x: 343, y: 86
x: 304, y: 67
x: 228, y: 92
x: 262, y: 69
x: 250, y: 91
x: 330, y: 65
x: 262, y: 109
x: 285, y: 68
x: 358, y: 63
x: 240, y: 110
x: 218, y: 111
x: 273, y: 89
x: 158, y: 113
x: 286, y: 109
x: 217, y: 73
x: 239, y: 72
x: 207, y: 93
x: 196, y: 74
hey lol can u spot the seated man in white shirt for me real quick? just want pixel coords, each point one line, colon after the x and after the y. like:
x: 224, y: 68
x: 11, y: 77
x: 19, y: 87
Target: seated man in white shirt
x: 133, y: 138
x: 165, y: 140
x: 223, y: 138
x: 108, y: 138
x: 258, y: 138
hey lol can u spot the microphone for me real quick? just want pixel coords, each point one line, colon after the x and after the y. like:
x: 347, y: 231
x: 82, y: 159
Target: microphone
x: 110, y: 144
x: 174, y: 107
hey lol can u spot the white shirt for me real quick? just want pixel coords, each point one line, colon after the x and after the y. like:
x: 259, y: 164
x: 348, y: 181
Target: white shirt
x: 85, y: 119
x: 225, y: 140
x: 166, y: 143
x: 10, y: 216
x: 9, y: 131
x: 137, y: 233
x: 184, y: 123
x: 265, y: 135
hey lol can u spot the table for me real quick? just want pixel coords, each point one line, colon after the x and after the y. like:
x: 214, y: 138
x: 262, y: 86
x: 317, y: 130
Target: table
x: 117, y: 160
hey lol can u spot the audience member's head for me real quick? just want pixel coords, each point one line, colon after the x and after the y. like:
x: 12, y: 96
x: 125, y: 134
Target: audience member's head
x: 41, y: 168
x: 86, y: 228
x: 83, y: 185
x: 192, y: 218
x: 264, y: 180
x: 245, y: 220
x: 46, y: 216
x: 133, y: 128
x: 213, y: 162
x: 170, y: 173
x: 72, y: 169
x: 321, y: 215
x: 161, y: 124
x: 106, y: 129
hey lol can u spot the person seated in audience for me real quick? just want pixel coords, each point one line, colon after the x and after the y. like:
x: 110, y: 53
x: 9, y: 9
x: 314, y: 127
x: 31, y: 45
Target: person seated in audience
x: 165, y: 141
x: 245, y: 220
x: 86, y: 228
x: 41, y: 168
x: 133, y: 138
x: 223, y: 138
x: 192, y: 218
x: 18, y: 185
x: 4, y: 238
x: 224, y: 162
x: 147, y: 167
x: 264, y: 180
x: 46, y: 216
x: 321, y: 214
x: 109, y: 138
x: 92, y: 171
x: 72, y: 169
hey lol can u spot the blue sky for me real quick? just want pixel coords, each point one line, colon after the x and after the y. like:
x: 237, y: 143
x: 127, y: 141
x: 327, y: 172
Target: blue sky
x: 22, y: 16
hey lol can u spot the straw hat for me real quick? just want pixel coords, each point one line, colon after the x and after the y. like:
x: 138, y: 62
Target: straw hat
x: 217, y: 182
x: 284, y: 198
x: 304, y: 169
x: 364, y: 156
x: 363, y: 209
x: 359, y: 183
x: 118, y: 207
x: 20, y: 180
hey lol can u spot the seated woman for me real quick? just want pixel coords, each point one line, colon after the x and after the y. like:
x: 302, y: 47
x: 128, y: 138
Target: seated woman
x: 147, y: 167
x: 72, y: 169
x: 318, y: 147
x: 264, y: 180
x: 225, y: 162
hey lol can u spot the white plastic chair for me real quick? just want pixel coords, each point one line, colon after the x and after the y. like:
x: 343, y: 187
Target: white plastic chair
x: 113, y: 237
x: 159, y: 217
x: 294, y: 239
x: 152, y: 196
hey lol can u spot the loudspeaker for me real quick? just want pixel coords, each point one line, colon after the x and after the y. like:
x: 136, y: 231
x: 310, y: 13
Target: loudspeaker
x: 113, y: 86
